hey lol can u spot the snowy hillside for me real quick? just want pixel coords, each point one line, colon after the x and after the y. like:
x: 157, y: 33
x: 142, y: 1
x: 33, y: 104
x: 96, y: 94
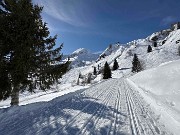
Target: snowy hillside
x: 109, y: 50
x: 161, y: 88
x: 160, y: 54
x: 165, y: 52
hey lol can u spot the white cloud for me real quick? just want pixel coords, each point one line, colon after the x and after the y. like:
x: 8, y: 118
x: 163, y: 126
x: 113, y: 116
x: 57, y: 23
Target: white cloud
x: 61, y: 10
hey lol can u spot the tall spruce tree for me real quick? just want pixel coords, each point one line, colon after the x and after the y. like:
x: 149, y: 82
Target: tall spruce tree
x: 149, y: 49
x: 136, y: 65
x: 115, y: 65
x: 28, y: 59
x: 106, y: 71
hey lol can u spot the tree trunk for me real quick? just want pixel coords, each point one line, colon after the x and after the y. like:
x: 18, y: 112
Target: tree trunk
x: 15, y: 97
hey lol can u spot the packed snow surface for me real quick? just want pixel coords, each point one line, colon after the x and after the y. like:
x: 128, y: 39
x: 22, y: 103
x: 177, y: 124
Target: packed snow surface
x: 111, y: 107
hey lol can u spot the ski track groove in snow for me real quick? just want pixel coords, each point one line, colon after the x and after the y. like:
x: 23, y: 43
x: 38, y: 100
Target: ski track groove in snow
x: 151, y: 123
x: 70, y: 123
x: 97, y: 114
x: 133, y: 119
x: 144, y: 122
x: 118, y: 119
x: 79, y: 95
x: 114, y: 124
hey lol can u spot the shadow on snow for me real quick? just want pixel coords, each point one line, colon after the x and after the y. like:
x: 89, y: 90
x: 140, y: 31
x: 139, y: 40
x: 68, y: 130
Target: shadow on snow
x: 45, y: 118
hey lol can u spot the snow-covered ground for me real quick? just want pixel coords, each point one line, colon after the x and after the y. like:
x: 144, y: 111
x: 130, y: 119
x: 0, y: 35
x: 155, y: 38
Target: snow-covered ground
x: 111, y: 107
x: 41, y: 96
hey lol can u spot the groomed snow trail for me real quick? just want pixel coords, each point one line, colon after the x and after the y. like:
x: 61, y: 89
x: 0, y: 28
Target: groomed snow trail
x: 109, y: 108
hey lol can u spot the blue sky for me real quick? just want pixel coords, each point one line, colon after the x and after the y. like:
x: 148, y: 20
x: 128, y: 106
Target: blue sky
x: 94, y: 24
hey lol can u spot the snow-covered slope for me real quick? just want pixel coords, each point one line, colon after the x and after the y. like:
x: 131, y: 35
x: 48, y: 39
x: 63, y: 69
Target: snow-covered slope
x: 124, y: 54
x: 160, y: 54
x: 166, y: 50
x: 161, y: 89
x: 109, y: 50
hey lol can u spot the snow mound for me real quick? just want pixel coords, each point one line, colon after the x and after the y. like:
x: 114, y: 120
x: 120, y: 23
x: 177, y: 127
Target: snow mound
x: 161, y: 80
x: 161, y: 88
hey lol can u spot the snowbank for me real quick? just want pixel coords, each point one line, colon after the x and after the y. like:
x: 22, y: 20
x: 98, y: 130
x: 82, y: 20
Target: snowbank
x: 161, y: 89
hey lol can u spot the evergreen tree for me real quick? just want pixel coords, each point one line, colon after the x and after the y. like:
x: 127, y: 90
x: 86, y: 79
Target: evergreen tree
x: 98, y: 67
x: 136, y: 65
x: 106, y: 71
x: 155, y: 44
x: 163, y: 42
x: 149, y: 49
x: 115, y: 65
x: 28, y: 59
x: 95, y: 71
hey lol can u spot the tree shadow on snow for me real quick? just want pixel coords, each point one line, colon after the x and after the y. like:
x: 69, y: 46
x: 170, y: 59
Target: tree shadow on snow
x: 45, y: 118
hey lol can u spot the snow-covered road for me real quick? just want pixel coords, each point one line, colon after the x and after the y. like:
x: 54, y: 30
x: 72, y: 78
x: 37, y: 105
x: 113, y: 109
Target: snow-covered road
x: 109, y: 108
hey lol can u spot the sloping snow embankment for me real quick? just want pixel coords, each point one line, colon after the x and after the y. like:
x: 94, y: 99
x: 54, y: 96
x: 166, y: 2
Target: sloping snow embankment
x: 41, y: 96
x: 161, y: 89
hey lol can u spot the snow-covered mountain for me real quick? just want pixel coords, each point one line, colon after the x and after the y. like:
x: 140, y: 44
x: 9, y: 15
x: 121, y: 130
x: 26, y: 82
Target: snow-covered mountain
x: 166, y: 50
x: 81, y: 57
x: 166, y: 41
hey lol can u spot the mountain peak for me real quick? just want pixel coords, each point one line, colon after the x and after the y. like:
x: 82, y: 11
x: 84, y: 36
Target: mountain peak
x: 81, y: 51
